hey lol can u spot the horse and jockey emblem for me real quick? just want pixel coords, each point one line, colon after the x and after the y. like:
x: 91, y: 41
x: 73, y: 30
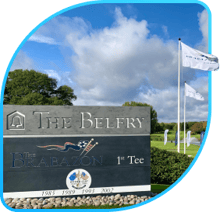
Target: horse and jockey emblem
x: 83, y: 145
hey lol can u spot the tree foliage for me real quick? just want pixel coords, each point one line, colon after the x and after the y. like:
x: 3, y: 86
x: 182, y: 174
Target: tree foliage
x: 154, y: 120
x: 24, y: 87
x: 198, y: 127
x: 163, y: 126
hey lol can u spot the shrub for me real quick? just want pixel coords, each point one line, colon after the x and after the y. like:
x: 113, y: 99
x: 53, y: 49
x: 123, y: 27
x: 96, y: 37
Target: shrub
x: 167, y: 167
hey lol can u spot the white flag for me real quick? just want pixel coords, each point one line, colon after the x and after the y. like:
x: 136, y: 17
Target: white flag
x: 193, y: 93
x: 188, y: 138
x: 196, y: 59
x: 165, y: 136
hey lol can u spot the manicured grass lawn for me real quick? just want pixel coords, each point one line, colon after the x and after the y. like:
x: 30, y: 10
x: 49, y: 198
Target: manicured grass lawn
x: 158, y: 188
x: 170, y: 136
x: 191, y: 150
x: 158, y: 138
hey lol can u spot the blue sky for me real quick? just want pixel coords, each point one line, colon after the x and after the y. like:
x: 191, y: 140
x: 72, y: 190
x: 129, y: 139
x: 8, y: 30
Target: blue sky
x: 112, y: 53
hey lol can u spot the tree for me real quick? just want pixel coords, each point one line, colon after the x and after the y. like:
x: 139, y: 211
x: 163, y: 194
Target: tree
x: 162, y: 125
x: 24, y: 87
x: 169, y: 126
x: 204, y: 124
x: 175, y: 127
x: 190, y: 124
x: 154, y: 121
x: 198, y: 127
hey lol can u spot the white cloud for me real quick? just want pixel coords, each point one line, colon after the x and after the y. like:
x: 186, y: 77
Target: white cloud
x: 203, y: 24
x: 94, y: 102
x: 55, y: 31
x: 203, y: 27
x: 113, y: 63
x: 43, y: 39
x: 53, y: 74
x: 165, y: 30
x: 22, y: 61
x: 165, y: 102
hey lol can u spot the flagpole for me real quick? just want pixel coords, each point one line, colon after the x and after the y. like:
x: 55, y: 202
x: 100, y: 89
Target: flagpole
x: 184, y: 117
x: 178, y: 126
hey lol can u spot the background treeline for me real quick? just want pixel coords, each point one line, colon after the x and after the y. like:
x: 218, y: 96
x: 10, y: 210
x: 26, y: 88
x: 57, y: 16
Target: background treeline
x: 156, y: 127
x: 194, y: 127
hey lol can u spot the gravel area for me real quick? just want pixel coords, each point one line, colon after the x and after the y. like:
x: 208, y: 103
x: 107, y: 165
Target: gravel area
x: 39, y: 203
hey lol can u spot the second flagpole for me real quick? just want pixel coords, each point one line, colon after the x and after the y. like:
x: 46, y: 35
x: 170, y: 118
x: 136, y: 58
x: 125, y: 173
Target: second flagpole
x: 184, y: 117
x: 178, y: 126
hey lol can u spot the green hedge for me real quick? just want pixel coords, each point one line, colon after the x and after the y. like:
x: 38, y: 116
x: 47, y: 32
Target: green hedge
x: 167, y: 167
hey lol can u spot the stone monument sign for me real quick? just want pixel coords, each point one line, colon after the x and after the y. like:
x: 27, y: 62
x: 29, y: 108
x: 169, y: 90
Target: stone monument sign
x: 75, y: 150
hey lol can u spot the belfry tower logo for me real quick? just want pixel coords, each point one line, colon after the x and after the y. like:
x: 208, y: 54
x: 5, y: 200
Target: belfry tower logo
x: 15, y: 121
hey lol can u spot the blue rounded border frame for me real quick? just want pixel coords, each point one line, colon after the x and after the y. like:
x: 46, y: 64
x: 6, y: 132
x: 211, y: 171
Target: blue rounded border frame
x: 105, y: 2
